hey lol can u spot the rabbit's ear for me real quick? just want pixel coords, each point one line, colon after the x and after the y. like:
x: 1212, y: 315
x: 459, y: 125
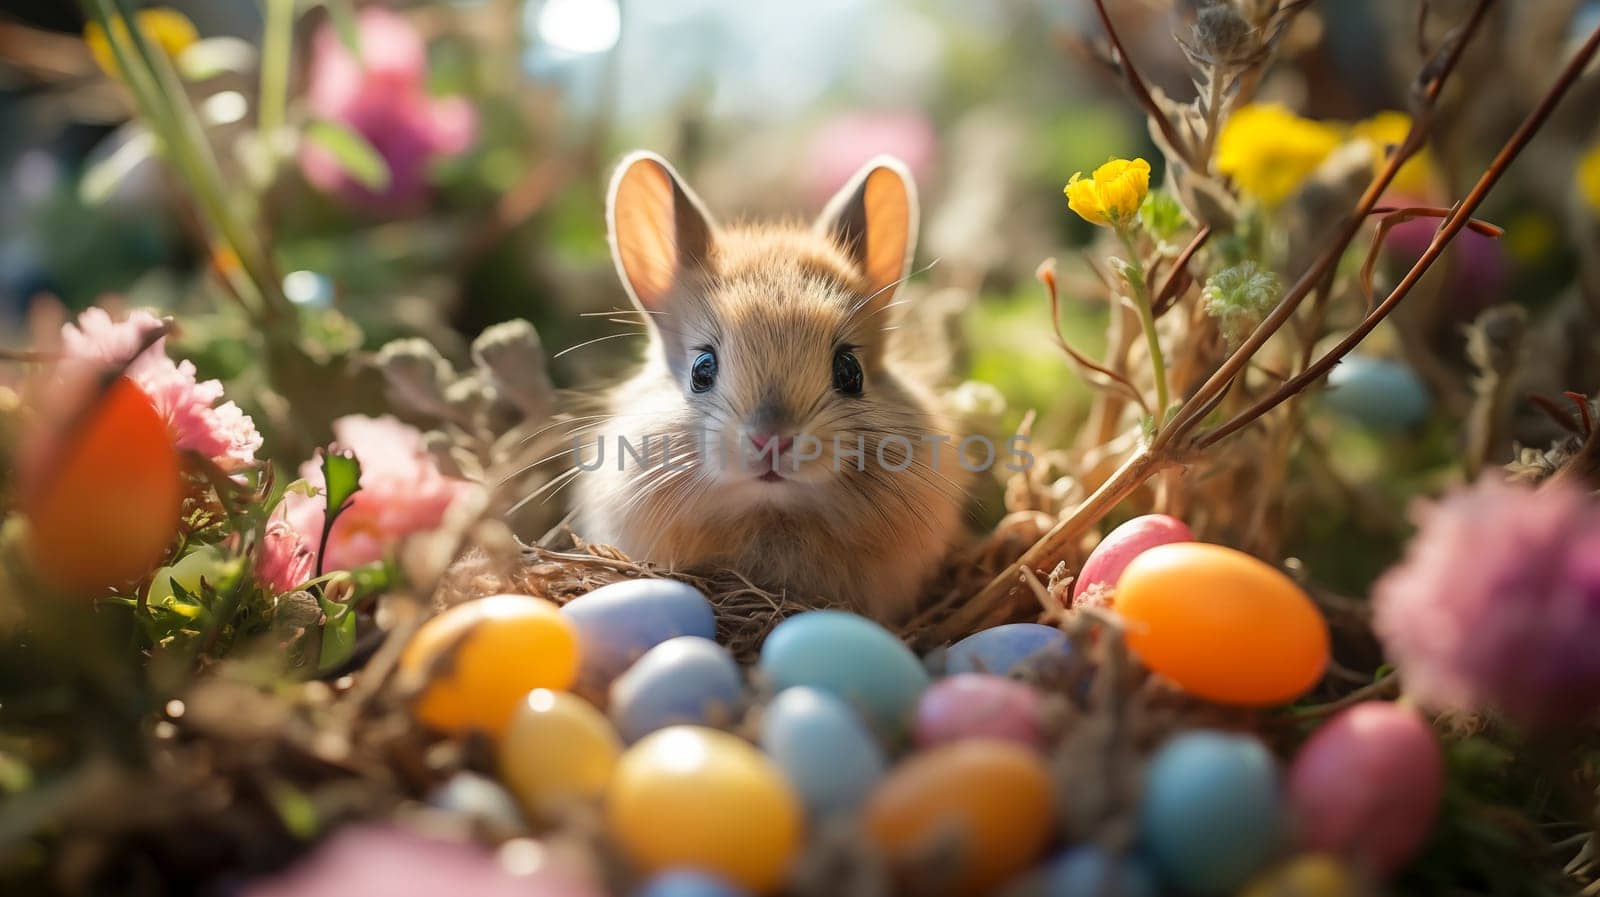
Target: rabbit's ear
x: 659, y: 230
x: 874, y: 219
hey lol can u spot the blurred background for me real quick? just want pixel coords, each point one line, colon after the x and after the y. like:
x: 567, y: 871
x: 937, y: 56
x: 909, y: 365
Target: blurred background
x: 454, y: 177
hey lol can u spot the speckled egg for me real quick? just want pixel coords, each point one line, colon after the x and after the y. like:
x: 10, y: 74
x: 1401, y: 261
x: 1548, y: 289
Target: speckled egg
x: 478, y: 660
x: 823, y: 749
x: 558, y: 748
x: 688, y: 796
x: 1222, y: 625
x: 686, y: 679
x: 991, y: 801
x: 1106, y: 562
x: 977, y: 705
x: 1002, y: 649
x: 1368, y: 784
x: 848, y: 656
x: 617, y: 623
x: 1211, y: 815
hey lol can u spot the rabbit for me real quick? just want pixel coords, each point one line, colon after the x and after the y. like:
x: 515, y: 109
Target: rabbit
x: 790, y: 443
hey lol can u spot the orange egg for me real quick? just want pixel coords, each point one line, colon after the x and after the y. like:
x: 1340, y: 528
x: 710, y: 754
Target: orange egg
x: 103, y: 496
x: 989, y: 800
x: 1222, y: 625
x: 480, y: 659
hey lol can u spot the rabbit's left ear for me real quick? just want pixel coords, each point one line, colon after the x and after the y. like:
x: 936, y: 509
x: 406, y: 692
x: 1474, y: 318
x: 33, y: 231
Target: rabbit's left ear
x: 874, y: 219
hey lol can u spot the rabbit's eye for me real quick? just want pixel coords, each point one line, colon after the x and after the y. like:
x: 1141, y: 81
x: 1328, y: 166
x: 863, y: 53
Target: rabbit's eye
x: 847, y: 376
x: 703, y: 373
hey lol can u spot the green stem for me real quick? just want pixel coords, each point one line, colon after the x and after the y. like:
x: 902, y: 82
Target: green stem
x: 1147, y: 319
x: 277, y: 44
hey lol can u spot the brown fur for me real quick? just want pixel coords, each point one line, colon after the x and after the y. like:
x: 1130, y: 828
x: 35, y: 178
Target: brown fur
x: 776, y: 303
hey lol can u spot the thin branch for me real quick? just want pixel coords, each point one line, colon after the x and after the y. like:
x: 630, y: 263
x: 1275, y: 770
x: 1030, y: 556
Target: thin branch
x: 1113, y: 380
x: 1179, y: 274
x: 1136, y: 84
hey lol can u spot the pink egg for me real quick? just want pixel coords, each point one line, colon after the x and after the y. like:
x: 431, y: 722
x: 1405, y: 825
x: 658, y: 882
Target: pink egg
x: 978, y: 705
x: 1368, y: 785
x: 1123, y: 544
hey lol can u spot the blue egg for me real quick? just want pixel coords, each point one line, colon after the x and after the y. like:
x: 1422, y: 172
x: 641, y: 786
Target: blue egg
x: 822, y: 748
x: 1088, y: 870
x: 850, y: 657
x: 1002, y: 649
x: 687, y: 679
x: 617, y: 623
x: 1377, y: 392
x: 688, y: 883
x: 1211, y: 815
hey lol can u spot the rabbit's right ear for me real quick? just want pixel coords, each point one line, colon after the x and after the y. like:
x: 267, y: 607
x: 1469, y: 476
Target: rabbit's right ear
x: 659, y: 230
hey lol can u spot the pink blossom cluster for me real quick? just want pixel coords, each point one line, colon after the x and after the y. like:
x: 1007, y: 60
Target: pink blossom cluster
x: 402, y: 492
x: 223, y: 433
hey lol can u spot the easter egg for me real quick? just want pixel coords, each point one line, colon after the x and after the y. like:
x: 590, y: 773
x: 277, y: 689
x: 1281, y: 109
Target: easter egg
x: 1105, y: 564
x: 478, y: 660
x: 101, y: 492
x: 989, y: 801
x: 1222, y: 625
x: 1002, y: 649
x: 471, y: 795
x: 1210, y: 815
x: 696, y: 797
x: 977, y: 705
x: 686, y: 679
x: 688, y: 883
x: 1368, y: 785
x: 617, y: 623
x: 822, y: 748
x: 1089, y: 871
x: 1377, y: 392
x: 848, y: 656
x: 1309, y: 875
x: 557, y: 749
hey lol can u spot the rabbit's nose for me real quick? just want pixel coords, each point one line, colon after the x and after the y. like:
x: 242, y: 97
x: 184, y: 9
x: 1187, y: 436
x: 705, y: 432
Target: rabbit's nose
x: 762, y: 440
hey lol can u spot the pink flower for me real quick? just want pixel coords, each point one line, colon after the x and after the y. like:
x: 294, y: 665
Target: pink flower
x: 1496, y: 605
x: 285, y: 559
x: 402, y: 492
x: 380, y: 860
x: 383, y: 97
x: 222, y: 433
x: 843, y: 144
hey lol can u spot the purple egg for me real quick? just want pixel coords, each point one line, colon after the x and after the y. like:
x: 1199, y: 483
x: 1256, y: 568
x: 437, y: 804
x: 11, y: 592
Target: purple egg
x: 1368, y: 785
x: 979, y: 705
x: 1123, y: 544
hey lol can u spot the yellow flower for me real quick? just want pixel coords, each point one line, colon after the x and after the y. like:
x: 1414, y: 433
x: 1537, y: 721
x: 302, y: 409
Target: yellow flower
x: 1112, y: 195
x: 1389, y: 129
x: 1269, y: 151
x: 1589, y: 178
x: 167, y: 29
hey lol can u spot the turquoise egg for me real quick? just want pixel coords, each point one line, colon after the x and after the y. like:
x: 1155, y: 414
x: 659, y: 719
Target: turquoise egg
x: 686, y: 679
x: 617, y: 623
x: 1377, y: 392
x: 850, y: 657
x: 688, y: 883
x: 1002, y: 649
x: 1211, y: 815
x: 822, y: 748
x: 1089, y: 870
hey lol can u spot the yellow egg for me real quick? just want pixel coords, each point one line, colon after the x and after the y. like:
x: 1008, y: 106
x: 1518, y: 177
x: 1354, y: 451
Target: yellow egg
x: 988, y: 800
x: 1221, y: 624
x: 480, y: 659
x: 1309, y: 875
x: 696, y: 797
x: 557, y: 748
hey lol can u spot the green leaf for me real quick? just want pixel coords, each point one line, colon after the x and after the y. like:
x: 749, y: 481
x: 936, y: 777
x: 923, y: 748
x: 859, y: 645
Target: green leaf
x: 103, y: 178
x: 344, y: 22
x: 341, y: 474
x: 353, y: 153
x: 338, y: 634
